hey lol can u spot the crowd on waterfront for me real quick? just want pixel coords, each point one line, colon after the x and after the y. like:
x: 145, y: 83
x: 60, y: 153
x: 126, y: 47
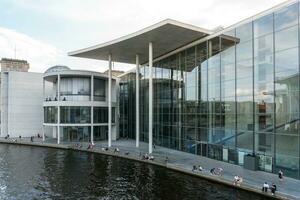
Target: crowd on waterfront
x: 237, y: 180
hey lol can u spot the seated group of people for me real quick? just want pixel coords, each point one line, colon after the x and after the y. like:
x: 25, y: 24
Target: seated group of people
x: 216, y: 171
x: 147, y: 157
x: 197, y: 168
x: 237, y: 180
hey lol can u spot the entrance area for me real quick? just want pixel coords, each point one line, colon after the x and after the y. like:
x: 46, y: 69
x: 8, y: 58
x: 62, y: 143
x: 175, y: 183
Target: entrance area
x: 76, y: 134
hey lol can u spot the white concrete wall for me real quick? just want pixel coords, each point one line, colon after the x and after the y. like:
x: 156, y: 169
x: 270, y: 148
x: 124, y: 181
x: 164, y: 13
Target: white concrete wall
x: 23, y: 106
x: 4, y: 103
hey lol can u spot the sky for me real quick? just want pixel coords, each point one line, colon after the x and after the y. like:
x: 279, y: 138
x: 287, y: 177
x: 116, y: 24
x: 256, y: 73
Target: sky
x: 44, y: 31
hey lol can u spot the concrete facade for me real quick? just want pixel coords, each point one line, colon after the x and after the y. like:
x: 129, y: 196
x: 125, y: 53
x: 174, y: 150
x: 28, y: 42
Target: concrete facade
x: 21, y: 104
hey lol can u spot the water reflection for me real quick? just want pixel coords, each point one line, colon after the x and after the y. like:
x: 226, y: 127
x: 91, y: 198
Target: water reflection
x: 38, y: 173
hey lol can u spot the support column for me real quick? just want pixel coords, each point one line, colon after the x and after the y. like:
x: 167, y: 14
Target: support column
x: 43, y: 128
x: 92, y: 109
x: 137, y: 102
x: 150, y: 96
x: 109, y: 99
x: 58, y: 109
x: 43, y: 133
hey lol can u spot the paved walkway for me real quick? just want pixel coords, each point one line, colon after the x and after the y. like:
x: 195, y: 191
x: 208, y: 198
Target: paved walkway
x: 181, y: 161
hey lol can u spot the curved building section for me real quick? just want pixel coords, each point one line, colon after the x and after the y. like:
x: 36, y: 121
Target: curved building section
x: 76, y: 105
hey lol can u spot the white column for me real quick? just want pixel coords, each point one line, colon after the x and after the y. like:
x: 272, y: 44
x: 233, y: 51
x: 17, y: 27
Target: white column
x: 109, y: 100
x: 150, y: 96
x: 43, y: 129
x: 43, y: 89
x: 43, y: 133
x: 137, y: 103
x: 58, y: 109
x: 92, y: 109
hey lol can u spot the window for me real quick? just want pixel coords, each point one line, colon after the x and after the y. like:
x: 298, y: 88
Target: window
x: 99, y: 89
x: 263, y: 25
x: 287, y: 38
x: 75, y: 114
x: 286, y: 17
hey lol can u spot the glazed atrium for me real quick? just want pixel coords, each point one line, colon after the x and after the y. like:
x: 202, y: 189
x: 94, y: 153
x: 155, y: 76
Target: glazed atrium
x: 224, y: 94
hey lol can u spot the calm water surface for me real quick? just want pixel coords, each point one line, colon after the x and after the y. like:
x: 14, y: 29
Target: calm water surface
x: 41, y: 173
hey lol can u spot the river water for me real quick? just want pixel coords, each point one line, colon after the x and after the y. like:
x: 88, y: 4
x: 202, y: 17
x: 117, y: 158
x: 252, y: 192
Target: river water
x: 43, y: 173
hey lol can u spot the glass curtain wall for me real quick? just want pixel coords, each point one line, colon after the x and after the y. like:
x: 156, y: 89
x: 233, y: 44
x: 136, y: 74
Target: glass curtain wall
x: 50, y: 114
x: 75, y: 114
x: 75, y: 88
x: 233, y: 95
x: 99, y: 89
x: 76, y: 134
x: 127, y: 106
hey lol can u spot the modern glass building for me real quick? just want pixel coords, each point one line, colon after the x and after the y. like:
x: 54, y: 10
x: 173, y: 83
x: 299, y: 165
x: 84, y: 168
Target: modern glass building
x: 76, y: 105
x: 222, y: 95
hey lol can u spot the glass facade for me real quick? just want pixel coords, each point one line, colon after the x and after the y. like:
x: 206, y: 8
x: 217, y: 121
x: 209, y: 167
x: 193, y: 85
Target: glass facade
x: 101, y: 115
x: 75, y: 114
x: 75, y: 88
x: 100, y: 133
x: 50, y: 114
x: 99, y: 89
x: 76, y: 134
x: 232, y: 95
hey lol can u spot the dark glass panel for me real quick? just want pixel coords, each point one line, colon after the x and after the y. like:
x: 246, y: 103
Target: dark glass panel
x: 99, y: 89
x: 287, y: 154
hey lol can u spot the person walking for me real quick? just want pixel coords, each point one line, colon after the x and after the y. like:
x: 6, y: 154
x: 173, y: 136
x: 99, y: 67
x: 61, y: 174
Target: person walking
x: 280, y: 175
x: 273, y: 189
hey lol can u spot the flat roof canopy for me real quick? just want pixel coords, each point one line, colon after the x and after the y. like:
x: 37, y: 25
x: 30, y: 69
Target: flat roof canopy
x: 166, y: 36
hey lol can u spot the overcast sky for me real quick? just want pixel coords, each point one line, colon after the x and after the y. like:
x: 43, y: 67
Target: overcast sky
x: 43, y: 32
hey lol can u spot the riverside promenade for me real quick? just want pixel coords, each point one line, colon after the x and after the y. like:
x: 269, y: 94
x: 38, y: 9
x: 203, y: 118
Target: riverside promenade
x: 183, y: 162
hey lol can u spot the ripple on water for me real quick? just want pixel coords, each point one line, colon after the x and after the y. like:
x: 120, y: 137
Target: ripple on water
x: 41, y: 173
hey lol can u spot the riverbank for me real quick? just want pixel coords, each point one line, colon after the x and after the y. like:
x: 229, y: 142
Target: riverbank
x: 183, y: 162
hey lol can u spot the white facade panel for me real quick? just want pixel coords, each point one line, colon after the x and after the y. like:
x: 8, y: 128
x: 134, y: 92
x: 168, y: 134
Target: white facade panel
x: 22, y: 104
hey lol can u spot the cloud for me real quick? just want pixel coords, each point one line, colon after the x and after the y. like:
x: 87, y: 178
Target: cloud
x: 39, y: 54
x: 205, y: 13
x: 91, y: 22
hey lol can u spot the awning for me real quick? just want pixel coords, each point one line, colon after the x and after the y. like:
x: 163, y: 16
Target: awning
x: 166, y: 36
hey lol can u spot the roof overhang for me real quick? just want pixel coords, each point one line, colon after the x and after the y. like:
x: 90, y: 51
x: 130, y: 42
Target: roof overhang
x: 166, y: 36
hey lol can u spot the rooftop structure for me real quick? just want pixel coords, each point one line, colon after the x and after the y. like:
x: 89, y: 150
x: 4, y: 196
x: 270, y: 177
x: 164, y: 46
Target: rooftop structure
x: 8, y: 64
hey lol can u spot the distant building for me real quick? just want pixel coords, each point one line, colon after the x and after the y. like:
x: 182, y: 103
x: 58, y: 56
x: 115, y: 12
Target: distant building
x: 21, y: 99
x: 14, y: 65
